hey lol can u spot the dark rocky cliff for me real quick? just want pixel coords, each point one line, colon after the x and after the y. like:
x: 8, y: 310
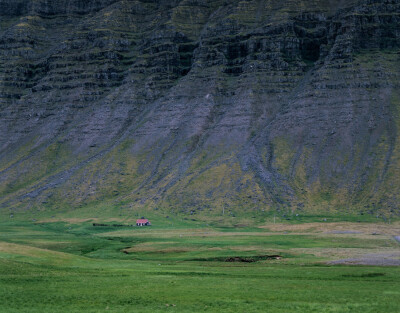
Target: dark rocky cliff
x: 195, y: 105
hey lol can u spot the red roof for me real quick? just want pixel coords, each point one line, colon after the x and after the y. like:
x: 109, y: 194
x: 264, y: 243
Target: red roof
x: 142, y: 220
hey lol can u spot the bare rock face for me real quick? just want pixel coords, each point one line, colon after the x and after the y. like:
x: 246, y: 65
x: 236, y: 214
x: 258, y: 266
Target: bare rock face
x: 192, y: 106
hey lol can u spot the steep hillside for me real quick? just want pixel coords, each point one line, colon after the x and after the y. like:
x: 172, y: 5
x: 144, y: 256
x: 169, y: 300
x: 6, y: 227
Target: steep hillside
x: 196, y: 105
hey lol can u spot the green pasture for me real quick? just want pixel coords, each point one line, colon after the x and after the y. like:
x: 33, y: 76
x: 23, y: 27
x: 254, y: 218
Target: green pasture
x: 76, y: 267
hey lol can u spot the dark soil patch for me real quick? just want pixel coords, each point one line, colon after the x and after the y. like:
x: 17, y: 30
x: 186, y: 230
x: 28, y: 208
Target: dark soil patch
x: 249, y: 259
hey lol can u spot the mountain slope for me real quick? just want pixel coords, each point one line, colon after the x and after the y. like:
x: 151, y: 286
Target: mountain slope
x: 192, y: 106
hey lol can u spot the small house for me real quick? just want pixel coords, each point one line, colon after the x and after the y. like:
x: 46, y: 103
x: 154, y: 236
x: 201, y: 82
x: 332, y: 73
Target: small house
x: 143, y: 222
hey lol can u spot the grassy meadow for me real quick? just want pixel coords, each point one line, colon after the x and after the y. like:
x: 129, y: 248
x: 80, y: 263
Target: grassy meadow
x: 68, y: 265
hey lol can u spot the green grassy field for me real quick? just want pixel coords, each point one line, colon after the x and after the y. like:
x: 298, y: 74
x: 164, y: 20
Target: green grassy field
x: 67, y: 265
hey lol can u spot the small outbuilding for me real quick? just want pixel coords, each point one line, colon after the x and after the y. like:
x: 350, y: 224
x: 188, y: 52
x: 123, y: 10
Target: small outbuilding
x: 143, y: 222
